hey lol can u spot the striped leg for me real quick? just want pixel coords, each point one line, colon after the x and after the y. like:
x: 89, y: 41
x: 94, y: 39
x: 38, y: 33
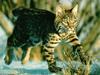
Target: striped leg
x: 83, y: 56
x: 78, y: 48
x: 48, y: 52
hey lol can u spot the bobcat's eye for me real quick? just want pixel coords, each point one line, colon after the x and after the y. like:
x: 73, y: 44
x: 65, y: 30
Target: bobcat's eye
x: 65, y: 18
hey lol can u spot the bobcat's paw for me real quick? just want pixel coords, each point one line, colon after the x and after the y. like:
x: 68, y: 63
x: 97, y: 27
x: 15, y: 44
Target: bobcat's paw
x: 54, y: 69
x: 8, y: 59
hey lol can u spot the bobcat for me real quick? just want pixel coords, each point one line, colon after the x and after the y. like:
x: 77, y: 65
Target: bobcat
x: 35, y: 26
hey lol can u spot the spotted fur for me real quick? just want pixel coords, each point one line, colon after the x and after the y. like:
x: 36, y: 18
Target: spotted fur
x: 36, y: 26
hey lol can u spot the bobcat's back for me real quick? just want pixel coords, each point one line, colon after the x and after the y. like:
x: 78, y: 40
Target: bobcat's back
x: 33, y: 23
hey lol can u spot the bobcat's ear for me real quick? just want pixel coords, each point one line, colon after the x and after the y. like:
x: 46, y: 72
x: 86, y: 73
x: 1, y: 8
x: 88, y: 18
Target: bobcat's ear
x: 75, y: 10
x: 59, y: 10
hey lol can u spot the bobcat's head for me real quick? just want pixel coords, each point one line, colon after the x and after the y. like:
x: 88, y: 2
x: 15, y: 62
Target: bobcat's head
x: 66, y: 19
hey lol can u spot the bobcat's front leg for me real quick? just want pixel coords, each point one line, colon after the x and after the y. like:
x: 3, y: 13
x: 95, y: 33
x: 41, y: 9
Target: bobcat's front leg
x: 84, y: 57
x: 77, y: 47
x: 48, y: 52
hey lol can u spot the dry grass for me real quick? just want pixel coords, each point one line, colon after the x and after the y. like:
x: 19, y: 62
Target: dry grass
x: 74, y: 65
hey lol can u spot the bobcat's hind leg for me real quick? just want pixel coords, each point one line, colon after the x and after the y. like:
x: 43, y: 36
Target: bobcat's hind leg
x: 9, y: 55
x: 26, y: 54
x: 10, y: 50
